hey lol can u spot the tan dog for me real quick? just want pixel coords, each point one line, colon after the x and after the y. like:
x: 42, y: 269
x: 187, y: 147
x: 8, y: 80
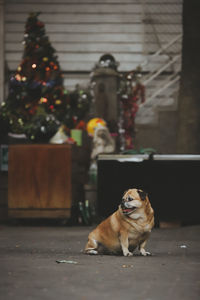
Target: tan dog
x: 125, y: 229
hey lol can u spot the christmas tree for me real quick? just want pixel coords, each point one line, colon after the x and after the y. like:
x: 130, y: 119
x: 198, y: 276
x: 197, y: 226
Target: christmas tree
x: 38, y: 103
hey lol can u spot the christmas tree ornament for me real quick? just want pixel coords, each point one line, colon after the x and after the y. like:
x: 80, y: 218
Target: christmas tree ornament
x: 43, y: 100
x: 84, y: 96
x: 43, y: 129
x: 58, y: 102
x: 20, y: 121
x: 18, y: 77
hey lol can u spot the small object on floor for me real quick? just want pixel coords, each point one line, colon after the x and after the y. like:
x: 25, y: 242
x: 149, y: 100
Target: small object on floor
x: 127, y: 266
x: 183, y: 246
x: 66, y: 261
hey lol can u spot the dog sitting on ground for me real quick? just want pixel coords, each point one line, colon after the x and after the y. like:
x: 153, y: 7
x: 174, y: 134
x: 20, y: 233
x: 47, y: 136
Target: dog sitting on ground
x: 126, y: 229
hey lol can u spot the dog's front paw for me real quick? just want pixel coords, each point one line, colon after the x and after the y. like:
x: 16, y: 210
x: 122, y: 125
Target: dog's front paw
x: 143, y: 252
x: 128, y: 253
x: 91, y: 252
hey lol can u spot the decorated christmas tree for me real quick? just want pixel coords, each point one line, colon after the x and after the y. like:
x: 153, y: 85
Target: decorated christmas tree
x: 38, y: 103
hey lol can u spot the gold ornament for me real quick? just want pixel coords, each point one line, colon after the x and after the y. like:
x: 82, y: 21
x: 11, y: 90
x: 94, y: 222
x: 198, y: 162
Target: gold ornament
x: 18, y: 77
x: 43, y: 100
x: 45, y: 59
x: 20, y: 121
x: 58, y: 102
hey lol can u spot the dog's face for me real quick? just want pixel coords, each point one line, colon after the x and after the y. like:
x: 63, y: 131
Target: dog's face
x: 132, y: 200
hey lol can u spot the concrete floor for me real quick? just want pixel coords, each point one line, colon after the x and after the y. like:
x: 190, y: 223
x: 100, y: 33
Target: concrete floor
x: 28, y: 268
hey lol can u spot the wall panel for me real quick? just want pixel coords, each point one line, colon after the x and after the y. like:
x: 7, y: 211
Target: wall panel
x: 83, y: 30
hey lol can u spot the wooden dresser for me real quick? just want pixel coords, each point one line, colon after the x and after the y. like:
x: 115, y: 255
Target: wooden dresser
x: 39, y: 181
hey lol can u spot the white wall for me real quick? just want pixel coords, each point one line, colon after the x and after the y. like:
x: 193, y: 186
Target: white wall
x: 82, y: 30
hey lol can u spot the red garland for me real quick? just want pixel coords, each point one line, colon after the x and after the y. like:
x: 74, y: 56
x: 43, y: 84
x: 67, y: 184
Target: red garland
x: 130, y: 108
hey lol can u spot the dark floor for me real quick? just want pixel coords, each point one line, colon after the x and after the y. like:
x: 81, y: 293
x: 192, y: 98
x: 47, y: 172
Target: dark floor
x: 28, y: 268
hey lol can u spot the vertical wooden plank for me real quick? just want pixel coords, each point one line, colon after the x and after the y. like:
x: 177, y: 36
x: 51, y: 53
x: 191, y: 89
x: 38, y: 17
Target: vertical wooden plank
x: 1, y: 51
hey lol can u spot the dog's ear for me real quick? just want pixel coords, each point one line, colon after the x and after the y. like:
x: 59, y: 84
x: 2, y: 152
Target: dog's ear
x: 124, y: 193
x: 142, y: 194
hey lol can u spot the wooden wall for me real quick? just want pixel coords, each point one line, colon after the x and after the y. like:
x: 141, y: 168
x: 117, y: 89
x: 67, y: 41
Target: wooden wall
x: 82, y: 30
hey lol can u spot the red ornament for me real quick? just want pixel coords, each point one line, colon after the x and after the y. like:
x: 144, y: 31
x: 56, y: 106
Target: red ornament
x: 81, y: 125
x: 40, y: 24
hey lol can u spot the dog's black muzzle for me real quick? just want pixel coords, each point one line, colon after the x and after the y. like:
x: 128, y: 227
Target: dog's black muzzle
x: 127, y: 207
